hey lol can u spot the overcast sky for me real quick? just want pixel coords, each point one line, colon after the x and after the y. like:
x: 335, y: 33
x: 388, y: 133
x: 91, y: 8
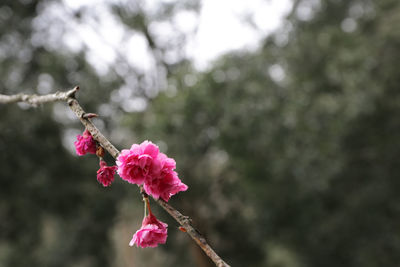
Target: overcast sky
x: 220, y: 28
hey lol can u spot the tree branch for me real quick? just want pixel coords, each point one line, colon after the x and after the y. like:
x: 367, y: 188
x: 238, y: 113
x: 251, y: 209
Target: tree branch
x: 36, y: 99
x: 69, y: 97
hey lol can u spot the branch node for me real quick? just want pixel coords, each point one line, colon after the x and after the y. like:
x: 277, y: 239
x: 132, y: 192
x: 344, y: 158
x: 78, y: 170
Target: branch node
x: 89, y: 115
x: 144, y: 194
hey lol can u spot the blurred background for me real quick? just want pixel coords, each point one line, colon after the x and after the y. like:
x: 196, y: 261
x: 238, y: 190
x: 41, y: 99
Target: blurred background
x: 283, y: 117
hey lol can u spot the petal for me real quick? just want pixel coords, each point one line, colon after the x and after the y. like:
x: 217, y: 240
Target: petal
x: 150, y: 149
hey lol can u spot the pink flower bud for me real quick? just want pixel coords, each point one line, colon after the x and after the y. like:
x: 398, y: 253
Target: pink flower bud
x: 85, y: 144
x: 105, y: 175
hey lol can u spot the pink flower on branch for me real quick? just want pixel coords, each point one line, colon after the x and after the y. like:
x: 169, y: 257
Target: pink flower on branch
x: 165, y: 186
x: 152, y: 233
x: 85, y: 144
x: 144, y: 165
x: 105, y: 175
x: 138, y: 163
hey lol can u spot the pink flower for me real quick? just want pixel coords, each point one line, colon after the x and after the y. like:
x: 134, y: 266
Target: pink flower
x: 144, y: 164
x: 152, y: 233
x: 166, y: 163
x: 167, y: 185
x: 139, y: 163
x: 85, y: 144
x: 105, y: 175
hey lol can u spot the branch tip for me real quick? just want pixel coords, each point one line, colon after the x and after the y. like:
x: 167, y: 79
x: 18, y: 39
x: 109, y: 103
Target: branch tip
x: 71, y: 93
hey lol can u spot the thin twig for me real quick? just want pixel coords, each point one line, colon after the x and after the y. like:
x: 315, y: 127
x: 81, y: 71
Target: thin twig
x: 69, y: 97
x: 38, y: 99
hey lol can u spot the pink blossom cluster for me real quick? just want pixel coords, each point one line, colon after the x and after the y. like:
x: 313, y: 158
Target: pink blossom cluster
x: 152, y: 233
x: 105, y: 175
x: 85, y: 144
x: 145, y: 165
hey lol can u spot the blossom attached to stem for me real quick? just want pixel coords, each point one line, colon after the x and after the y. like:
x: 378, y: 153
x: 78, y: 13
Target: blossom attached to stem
x: 145, y: 165
x: 152, y: 232
x: 105, y: 175
x: 137, y: 164
x: 85, y: 144
x: 165, y: 185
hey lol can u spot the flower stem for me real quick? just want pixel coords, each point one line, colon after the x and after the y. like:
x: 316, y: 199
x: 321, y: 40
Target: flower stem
x: 145, y: 207
x: 148, y: 205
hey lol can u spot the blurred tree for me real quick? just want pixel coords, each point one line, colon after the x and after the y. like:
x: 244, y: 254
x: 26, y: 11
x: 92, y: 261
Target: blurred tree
x: 45, y: 200
x: 289, y: 151
x: 50, y: 213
